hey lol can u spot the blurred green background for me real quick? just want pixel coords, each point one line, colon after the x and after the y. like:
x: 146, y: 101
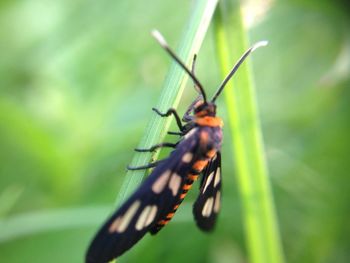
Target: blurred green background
x: 77, y: 83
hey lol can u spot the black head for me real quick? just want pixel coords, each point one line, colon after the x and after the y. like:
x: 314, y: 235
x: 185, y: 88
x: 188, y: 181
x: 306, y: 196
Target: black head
x: 204, y: 108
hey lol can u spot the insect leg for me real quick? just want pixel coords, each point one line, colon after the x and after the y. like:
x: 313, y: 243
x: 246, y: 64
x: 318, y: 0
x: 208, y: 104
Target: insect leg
x: 143, y: 167
x: 157, y: 146
x: 175, y: 133
x: 168, y: 113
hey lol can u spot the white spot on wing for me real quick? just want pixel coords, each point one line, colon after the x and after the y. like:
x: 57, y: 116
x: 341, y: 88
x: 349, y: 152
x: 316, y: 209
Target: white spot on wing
x: 217, y: 202
x: 151, y: 216
x: 208, y: 207
x: 146, y: 217
x: 160, y: 183
x: 187, y: 157
x: 174, y: 184
x: 217, y: 177
x: 142, y: 218
x: 208, y: 181
x: 127, y: 217
x: 114, y: 226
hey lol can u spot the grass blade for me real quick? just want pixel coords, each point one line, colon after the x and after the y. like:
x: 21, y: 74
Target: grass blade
x: 262, y: 235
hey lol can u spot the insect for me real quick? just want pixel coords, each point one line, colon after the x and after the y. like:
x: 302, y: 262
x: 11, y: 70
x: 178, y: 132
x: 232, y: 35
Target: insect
x: 156, y: 200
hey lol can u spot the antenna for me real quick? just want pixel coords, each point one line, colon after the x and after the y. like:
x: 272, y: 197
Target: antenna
x: 236, y: 66
x: 158, y: 36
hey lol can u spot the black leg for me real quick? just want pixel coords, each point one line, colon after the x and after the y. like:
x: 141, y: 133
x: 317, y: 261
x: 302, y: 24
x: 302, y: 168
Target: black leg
x: 168, y: 113
x: 143, y: 167
x: 157, y: 146
x: 175, y: 133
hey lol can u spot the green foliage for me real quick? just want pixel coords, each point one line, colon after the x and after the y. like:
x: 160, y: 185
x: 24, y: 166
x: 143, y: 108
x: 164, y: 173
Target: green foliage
x: 78, y: 80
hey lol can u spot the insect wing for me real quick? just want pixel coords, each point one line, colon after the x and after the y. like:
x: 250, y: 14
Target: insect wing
x: 124, y: 228
x: 153, y: 200
x: 207, y: 205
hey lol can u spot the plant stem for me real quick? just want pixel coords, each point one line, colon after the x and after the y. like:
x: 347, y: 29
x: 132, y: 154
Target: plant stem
x: 262, y: 235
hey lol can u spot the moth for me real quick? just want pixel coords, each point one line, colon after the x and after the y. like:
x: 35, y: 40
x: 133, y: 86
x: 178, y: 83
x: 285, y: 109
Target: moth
x: 197, y: 153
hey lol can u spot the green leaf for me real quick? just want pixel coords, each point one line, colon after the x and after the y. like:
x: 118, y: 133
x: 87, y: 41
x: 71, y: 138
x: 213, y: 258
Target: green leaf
x: 258, y: 208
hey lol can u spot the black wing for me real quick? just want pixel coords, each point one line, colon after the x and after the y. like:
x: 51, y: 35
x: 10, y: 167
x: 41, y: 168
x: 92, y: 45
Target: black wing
x: 207, y: 205
x: 153, y: 200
